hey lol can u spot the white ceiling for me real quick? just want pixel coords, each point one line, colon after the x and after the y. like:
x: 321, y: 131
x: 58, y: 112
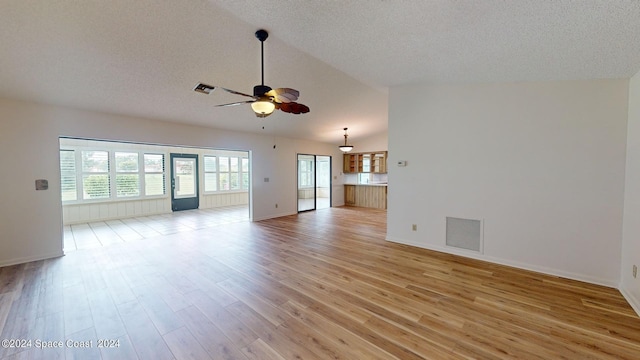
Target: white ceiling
x: 143, y: 57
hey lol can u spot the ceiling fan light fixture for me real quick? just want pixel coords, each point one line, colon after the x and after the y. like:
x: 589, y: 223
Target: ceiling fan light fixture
x: 264, y: 100
x: 345, y: 148
x: 263, y: 107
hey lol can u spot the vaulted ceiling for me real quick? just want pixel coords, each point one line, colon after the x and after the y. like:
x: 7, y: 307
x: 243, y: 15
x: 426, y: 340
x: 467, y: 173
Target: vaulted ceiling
x: 143, y: 57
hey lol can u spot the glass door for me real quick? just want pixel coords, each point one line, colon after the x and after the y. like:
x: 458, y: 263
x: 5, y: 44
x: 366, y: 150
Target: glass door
x: 184, y: 182
x: 323, y: 182
x: 314, y: 182
x: 306, y: 183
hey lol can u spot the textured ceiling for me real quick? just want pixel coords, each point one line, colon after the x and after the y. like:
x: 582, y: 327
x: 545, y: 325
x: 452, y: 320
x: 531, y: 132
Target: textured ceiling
x: 395, y: 42
x: 143, y: 57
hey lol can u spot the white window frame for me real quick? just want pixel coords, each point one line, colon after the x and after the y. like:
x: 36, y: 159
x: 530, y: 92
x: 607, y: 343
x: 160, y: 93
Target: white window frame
x: 214, y: 171
x: 76, y: 183
x: 144, y: 173
x: 221, y: 173
x: 243, y: 172
x: 82, y: 174
x: 117, y: 172
x: 112, y: 173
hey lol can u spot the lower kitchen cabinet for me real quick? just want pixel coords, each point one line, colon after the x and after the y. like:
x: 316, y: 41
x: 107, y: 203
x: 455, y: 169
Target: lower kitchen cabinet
x: 372, y: 196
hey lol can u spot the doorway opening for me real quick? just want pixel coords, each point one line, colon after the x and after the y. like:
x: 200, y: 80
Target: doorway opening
x: 119, y: 191
x: 314, y: 182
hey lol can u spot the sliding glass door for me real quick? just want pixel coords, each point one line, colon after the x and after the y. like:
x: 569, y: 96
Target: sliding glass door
x: 314, y: 182
x: 323, y: 182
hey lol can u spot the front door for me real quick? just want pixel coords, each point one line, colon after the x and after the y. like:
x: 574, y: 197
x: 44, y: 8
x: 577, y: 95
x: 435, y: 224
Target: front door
x: 184, y: 182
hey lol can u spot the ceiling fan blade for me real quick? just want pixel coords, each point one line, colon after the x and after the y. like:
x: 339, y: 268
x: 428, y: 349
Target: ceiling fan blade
x: 284, y: 95
x: 238, y: 93
x: 293, y: 107
x: 236, y: 103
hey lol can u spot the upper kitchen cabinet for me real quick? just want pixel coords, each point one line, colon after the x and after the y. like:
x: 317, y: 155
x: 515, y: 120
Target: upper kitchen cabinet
x: 379, y: 162
x: 375, y: 162
x: 353, y: 163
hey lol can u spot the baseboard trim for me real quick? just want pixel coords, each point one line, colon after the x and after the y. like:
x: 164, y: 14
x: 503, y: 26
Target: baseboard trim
x: 28, y: 259
x: 635, y: 303
x: 515, y: 264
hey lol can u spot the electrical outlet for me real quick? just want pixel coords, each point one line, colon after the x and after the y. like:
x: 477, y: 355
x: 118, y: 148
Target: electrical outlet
x: 635, y: 271
x: 414, y: 227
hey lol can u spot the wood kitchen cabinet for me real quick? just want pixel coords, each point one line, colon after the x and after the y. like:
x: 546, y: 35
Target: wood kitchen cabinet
x: 374, y: 162
x: 350, y: 195
x: 379, y: 162
x: 372, y: 196
x: 353, y: 163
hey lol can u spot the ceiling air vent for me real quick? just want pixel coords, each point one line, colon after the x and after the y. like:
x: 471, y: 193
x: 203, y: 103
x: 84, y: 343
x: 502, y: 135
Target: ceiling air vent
x: 204, y: 88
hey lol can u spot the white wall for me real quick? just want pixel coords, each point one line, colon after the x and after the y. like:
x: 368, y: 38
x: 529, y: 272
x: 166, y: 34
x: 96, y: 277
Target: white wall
x: 629, y: 285
x: 377, y: 142
x: 541, y: 163
x: 31, y: 221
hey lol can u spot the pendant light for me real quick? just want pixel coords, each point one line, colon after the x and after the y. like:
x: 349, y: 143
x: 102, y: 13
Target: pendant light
x: 345, y: 147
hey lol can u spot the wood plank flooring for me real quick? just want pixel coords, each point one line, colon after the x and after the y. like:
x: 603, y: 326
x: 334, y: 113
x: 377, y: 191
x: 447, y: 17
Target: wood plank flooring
x: 319, y: 285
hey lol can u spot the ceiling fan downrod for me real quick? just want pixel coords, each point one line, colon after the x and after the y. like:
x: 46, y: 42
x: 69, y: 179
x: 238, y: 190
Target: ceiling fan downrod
x: 260, y: 90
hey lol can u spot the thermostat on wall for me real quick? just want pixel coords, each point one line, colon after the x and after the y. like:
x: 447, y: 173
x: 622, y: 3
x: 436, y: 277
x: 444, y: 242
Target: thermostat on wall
x: 402, y: 163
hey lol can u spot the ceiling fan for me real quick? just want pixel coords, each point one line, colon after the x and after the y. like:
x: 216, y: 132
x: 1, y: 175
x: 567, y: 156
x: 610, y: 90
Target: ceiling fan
x: 264, y: 99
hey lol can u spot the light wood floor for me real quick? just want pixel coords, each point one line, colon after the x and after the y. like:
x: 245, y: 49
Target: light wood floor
x: 319, y: 285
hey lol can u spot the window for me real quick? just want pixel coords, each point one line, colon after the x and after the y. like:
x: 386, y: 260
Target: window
x: 68, y: 175
x: 245, y: 173
x: 127, y: 177
x: 210, y: 174
x: 234, y: 175
x: 305, y: 173
x: 95, y: 175
x: 95, y: 171
x: 154, y: 179
x: 231, y: 173
x: 223, y: 163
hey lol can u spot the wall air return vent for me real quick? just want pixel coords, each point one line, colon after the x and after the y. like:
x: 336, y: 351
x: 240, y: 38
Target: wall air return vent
x: 464, y: 234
